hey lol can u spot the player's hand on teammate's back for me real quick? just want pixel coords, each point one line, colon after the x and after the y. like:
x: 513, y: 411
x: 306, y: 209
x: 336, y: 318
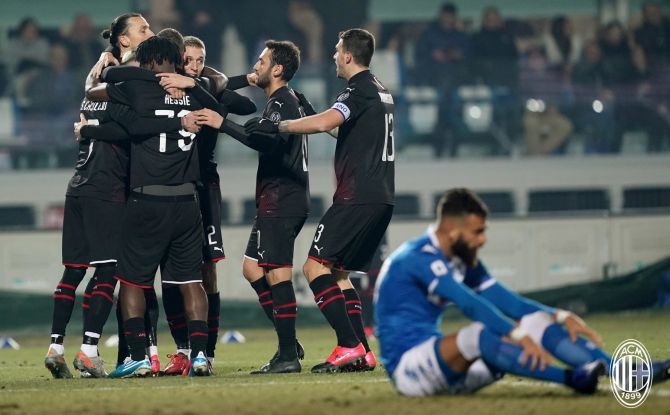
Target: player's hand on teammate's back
x: 208, y: 117
x: 189, y: 123
x: 576, y: 326
x: 176, y: 93
x: 259, y: 125
x: 534, y: 353
x: 77, y: 126
x: 175, y: 80
x: 106, y: 59
x: 304, y: 103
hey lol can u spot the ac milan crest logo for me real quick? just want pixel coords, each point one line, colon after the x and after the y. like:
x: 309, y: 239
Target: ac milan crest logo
x: 631, y: 373
x: 275, y: 117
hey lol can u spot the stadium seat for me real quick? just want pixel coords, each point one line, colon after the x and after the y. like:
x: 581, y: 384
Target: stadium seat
x: 406, y: 205
x: 646, y: 198
x: 248, y: 210
x: 17, y: 216
x: 499, y: 202
x: 565, y: 200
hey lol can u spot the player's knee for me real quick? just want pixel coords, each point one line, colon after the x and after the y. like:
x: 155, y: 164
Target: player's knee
x: 535, y: 324
x: 467, y: 341
x: 251, y: 270
x: 313, y: 269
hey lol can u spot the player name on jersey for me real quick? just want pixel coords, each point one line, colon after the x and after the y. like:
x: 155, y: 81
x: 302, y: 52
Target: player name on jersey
x: 177, y: 101
x: 87, y: 105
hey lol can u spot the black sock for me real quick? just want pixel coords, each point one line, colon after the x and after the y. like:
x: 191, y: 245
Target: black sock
x: 264, y: 296
x: 197, y: 334
x: 285, y: 313
x: 86, y: 303
x: 173, y: 304
x: 135, y: 337
x: 354, y: 311
x: 101, y: 301
x: 151, y: 317
x: 330, y: 300
x: 64, y: 297
x: 122, y: 351
x: 213, y: 311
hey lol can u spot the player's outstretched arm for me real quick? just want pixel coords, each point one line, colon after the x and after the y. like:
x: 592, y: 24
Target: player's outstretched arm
x: 318, y: 123
x: 511, y: 303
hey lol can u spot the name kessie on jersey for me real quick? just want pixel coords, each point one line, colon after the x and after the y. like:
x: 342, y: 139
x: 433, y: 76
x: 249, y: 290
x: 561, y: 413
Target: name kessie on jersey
x: 186, y: 100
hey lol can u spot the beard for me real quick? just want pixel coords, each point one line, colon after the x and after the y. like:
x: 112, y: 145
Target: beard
x: 464, y: 252
x: 263, y: 80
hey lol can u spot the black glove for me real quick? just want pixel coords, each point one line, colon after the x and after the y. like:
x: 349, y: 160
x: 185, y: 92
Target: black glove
x: 304, y: 103
x: 259, y: 125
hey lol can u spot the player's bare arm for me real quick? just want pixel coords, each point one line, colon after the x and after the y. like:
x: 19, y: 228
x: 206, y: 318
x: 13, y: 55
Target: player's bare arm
x: 318, y: 123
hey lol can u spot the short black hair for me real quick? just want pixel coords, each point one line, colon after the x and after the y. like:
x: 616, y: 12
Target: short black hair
x: 286, y: 54
x: 360, y: 43
x: 449, y: 8
x: 459, y: 202
x: 158, y: 50
x: 173, y: 35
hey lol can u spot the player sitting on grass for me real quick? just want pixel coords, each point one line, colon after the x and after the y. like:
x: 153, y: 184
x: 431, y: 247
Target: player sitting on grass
x: 424, y: 275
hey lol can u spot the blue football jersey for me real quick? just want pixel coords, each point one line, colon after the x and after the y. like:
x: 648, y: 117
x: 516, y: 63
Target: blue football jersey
x: 415, y: 285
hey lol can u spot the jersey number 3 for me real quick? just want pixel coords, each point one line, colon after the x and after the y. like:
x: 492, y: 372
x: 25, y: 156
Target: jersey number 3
x: 181, y: 142
x: 389, y: 146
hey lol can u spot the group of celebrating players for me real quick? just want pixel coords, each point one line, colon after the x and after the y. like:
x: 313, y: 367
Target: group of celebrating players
x: 143, y: 196
x: 146, y: 194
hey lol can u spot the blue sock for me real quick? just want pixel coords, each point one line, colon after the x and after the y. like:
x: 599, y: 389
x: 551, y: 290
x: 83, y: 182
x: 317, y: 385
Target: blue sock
x: 505, y: 357
x: 557, y: 341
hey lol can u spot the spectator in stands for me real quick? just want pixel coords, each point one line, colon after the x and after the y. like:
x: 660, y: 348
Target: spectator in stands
x: 206, y: 20
x: 306, y: 21
x: 653, y: 36
x: 562, y: 45
x: 495, y: 59
x: 442, y: 50
x: 27, y: 54
x: 55, y: 93
x: 593, y: 109
x: 622, y: 60
x: 82, y: 43
x: 495, y: 63
x: 546, y: 129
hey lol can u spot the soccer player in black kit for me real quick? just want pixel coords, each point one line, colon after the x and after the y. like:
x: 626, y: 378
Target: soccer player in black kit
x: 282, y: 199
x: 351, y: 229
x: 94, y: 199
x: 162, y: 225
x: 209, y: 196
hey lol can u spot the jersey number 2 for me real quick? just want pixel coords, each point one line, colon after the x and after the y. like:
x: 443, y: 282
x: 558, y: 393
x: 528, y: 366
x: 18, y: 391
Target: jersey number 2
x: 162, y: 145
x: 389, y: 145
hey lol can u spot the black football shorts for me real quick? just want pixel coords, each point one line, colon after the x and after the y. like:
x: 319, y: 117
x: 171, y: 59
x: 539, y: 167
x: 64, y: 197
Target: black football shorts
x: 210, y: 207
x: 271, y: 240
x: 348, y: 235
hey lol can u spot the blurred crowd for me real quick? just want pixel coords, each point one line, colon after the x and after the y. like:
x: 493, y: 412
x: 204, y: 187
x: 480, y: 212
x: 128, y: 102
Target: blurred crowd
x: 531, y: 86
x: 547, y: 82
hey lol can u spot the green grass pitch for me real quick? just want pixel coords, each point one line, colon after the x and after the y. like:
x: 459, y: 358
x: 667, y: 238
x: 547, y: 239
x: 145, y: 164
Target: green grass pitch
x: 26, y: 387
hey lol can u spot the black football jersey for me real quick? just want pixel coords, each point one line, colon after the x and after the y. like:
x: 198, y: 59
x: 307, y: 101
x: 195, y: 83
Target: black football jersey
x: 101, y: 170
x: 365, y: 150
x: 282, y: 179
x: 167, y: 158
